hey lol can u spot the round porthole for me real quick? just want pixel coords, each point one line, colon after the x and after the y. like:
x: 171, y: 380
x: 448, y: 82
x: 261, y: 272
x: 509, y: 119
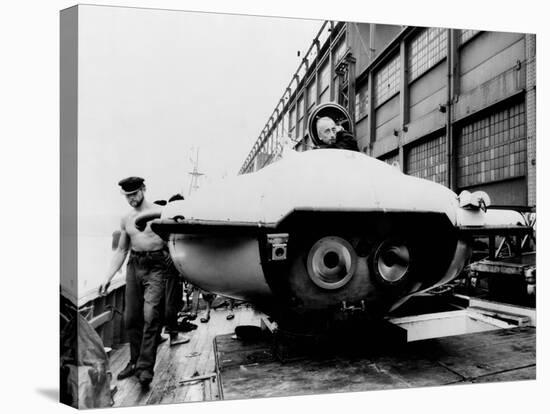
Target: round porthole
x: 391, y: 262
x: 331, y: 262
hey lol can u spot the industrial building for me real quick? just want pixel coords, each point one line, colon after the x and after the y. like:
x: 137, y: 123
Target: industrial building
x: 322, y: 287
x: 453, y: 106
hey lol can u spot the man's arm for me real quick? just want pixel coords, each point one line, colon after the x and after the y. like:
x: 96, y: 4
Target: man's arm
x: 144, y: 218
x: 346, y: 140
x: 117, y: 259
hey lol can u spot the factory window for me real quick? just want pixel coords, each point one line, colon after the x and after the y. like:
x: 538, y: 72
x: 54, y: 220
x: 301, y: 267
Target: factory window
x: 428, y: 160
x: 270, y: 144
x: 340, y: 50
x: 426, y: 50
x: 392, y: 159
x: 262, y: 159
x: 386, y: 81
x: 324, y: 76
x: 311, y: 94
x: 260, y: 155
x: 362, y: 102
x: 292, y: 122
x: 274, y: 141
x: 278, y: 130
x: 493, y: 148
x: 325, y: 96
x: 466, y: 35
x: 270, y: 150
x: 299, y: 129
x: 267, y: 146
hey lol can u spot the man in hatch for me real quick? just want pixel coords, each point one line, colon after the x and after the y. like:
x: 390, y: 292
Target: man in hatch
x: 334, y: 136
x: 148, y: 267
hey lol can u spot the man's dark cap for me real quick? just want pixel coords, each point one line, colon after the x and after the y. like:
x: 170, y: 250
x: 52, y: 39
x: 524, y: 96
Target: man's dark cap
x: 131, y: 185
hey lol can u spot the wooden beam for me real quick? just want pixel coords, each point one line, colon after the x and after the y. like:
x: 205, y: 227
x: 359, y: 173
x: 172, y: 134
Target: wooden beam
x: 99, y: 320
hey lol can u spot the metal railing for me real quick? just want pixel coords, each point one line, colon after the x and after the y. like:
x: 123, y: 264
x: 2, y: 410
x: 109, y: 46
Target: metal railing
x: 105, y: 315
x: 327, y: 34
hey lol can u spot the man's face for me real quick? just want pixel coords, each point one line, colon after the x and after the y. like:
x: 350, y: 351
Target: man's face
x: 326, y: 129
x: 135, y: 199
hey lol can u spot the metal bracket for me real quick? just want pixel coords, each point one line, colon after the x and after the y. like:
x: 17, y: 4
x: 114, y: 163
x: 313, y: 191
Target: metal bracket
x: 277, y: 243
x: 198, y: 378
x: 353, y: 307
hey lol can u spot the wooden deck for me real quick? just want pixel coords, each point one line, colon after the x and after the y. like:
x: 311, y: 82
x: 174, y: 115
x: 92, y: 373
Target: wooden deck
x: 251, y: 370
x: 247, y: 371
x: 180, y: 363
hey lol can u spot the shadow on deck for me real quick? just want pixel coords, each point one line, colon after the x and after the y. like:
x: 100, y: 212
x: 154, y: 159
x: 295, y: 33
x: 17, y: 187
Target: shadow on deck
x: 185, y: 373
x: 175, y: 365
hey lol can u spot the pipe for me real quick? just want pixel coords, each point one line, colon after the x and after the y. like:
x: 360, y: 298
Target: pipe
x: 449, y: 120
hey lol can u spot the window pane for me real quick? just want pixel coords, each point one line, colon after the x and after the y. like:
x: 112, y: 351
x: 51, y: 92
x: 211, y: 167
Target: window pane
x: 391, y: 159
x: 300, y: 117
x: 386, y: 81
x: 466, y: 35
x: 425, y: 50
x: 300, y: 107
x: 311, y: 94
x: 493, y: 148
x: 428, y: 160
x: 291, y: 122
x: 340, y: 50
x: 324, y: 76
x: 362, y: 102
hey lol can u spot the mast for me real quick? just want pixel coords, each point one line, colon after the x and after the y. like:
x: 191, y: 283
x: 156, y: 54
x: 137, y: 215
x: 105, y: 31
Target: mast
x: 195, y: 174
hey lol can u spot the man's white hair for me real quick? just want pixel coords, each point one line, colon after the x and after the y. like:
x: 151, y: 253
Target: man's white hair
x: 323, y: 118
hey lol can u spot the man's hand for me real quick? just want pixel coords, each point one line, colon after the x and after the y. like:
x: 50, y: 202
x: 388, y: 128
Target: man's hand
x: 144, y: 218
x: 104, y: 287
x: 339, y: 128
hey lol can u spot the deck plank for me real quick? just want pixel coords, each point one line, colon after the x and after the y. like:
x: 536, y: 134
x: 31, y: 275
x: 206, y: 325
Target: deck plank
x: 205, y: 362
x: 190, y: 367
x: 178, y: 363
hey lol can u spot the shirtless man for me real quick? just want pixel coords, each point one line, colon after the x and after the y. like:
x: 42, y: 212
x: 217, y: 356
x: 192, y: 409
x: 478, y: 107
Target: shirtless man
x: 146, y: 275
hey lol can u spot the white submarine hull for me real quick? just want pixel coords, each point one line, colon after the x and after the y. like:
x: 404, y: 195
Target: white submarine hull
x: 318, y: 232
